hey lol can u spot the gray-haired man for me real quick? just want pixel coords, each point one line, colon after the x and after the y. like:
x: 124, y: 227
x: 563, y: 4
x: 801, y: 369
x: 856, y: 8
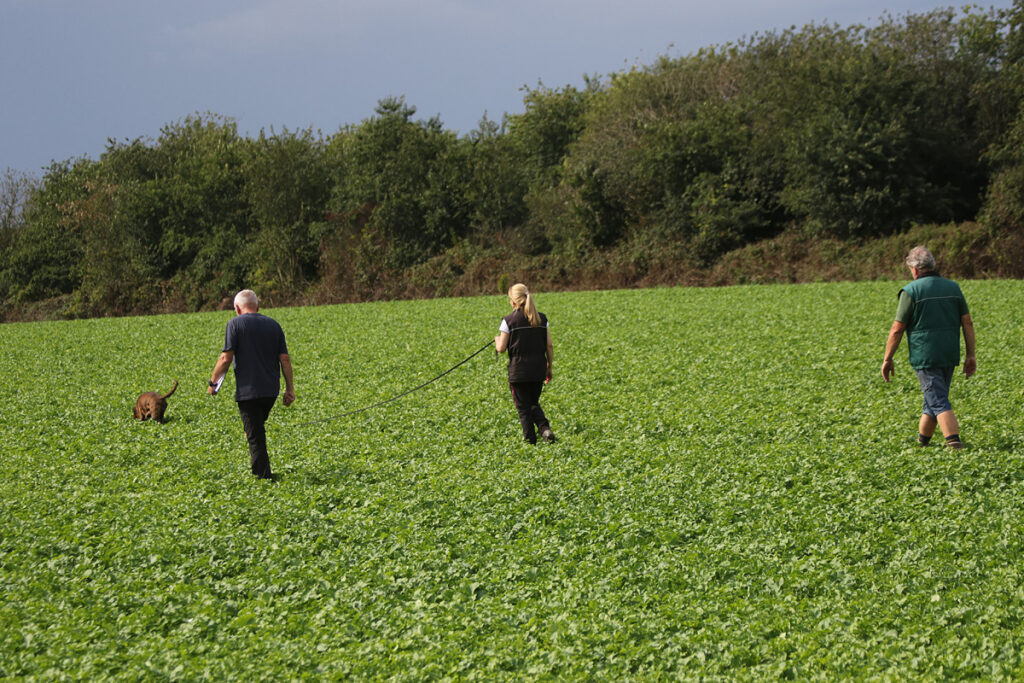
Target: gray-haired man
x: 256, y: 346
x: 932, y: 311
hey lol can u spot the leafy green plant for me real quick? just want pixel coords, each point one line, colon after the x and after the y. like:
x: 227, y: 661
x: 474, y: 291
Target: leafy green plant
x: 735, y: 494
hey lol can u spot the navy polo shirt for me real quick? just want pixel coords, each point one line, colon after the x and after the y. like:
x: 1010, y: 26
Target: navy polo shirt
x: 257, y: 342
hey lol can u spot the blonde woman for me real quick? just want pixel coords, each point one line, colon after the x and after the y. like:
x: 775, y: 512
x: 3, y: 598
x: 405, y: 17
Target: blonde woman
x: 525, y: 335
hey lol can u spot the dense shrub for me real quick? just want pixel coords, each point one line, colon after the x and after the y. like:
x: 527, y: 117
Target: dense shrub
x: 848, y: 133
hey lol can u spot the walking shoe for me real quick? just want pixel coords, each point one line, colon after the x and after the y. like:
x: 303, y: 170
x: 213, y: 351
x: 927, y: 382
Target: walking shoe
x: 955, y: 444
x: 547, y: 435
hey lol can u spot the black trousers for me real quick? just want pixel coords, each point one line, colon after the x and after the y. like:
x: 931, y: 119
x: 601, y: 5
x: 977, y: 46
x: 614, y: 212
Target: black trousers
x: 254, y: 418
x: 526, y: 396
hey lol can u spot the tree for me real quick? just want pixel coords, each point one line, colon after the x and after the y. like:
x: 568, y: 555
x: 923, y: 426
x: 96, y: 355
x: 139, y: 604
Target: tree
x: 45, y: 252
x: 879, y: 127
x: 1004, y: 199
x: 552, y: 121
x: 395, y: 199
x: 657, y: 144
x: 16, y: 191
x: 287, y: 185
x: 538, y: 142
x: 199, y: 206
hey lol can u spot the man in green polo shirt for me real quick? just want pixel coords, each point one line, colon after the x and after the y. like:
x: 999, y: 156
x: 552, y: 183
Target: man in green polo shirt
x: 932, y: 311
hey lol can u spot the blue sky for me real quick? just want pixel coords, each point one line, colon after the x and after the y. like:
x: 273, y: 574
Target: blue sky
x: 74, y: 73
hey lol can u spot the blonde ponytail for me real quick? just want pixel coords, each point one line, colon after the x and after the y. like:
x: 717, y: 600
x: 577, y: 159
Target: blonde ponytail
x: 522, y: 299
x: 531, y: 311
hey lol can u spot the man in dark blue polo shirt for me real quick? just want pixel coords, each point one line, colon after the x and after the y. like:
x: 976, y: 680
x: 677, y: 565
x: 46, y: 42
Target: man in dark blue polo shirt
x: 256, y: 346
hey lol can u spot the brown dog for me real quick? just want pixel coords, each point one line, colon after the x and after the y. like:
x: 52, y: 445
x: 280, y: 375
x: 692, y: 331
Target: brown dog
x: 152, y: 405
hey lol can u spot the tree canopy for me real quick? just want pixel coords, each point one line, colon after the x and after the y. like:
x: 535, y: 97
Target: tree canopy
x: 833, y: 132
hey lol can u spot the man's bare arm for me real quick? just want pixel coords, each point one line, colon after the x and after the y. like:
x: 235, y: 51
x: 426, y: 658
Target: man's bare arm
x: 891, y: 344
x: 221, y: 368
x: 289, y: 382
x: 970, y: 362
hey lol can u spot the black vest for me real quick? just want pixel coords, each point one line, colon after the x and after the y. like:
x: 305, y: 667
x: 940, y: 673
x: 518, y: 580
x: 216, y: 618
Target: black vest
x: 527, y: 348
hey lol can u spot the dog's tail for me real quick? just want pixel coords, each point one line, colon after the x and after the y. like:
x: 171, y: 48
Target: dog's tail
x: 172, y: 389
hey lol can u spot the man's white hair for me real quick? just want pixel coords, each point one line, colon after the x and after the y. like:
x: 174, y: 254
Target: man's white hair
x: 246, y: 300
x: 920, y: 258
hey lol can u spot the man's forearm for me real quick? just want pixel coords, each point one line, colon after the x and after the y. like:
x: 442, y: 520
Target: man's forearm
x: 969, y: 337
x: 286, y: 370
x: 221, y: 367
x: 892, y: 343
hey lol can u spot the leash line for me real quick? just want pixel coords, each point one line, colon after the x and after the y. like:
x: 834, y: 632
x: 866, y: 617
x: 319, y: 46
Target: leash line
x: 404, y: 393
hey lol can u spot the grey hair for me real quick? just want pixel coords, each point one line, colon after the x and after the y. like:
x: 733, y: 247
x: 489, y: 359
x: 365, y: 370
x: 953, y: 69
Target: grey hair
x: 921, y: 259
x: 246, y: 300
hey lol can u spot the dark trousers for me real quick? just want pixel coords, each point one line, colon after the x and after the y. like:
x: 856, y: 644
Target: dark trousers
x: 254, y: 417
x: 526, y: 396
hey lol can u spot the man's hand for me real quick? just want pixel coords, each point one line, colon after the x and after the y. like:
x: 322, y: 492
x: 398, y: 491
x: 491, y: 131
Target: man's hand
x: 289, y: 397
x: 970, y: 365
x: 889, y: 369
x: 891, y: 344
x: 547, y: 377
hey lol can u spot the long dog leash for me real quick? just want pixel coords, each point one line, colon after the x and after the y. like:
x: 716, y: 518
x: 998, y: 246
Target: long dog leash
x: 404, y: 393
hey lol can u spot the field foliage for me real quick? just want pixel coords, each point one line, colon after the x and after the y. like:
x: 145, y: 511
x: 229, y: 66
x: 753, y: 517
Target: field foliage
x: 735, y: 493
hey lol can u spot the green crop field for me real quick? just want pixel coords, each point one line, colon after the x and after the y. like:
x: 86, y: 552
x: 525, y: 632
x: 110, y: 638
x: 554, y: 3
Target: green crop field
x: 735, y: 494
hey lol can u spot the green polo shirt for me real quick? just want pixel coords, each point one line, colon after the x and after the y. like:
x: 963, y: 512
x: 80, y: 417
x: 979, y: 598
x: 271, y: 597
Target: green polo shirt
x: 931, y: 306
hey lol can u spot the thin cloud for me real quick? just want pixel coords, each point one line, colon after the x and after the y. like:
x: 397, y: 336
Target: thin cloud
x: 277, y: 22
